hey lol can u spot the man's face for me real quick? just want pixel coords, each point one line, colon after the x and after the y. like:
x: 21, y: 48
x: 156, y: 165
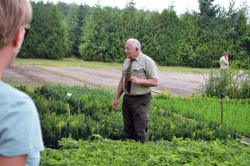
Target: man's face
x: 226, y: 56
x: 130, y: 51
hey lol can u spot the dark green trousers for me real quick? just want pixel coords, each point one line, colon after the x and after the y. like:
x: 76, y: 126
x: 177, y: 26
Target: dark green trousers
x: 135, y: 116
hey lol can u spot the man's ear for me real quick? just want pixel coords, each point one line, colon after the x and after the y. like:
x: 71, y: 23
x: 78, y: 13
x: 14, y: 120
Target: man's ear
x: 17, y: 38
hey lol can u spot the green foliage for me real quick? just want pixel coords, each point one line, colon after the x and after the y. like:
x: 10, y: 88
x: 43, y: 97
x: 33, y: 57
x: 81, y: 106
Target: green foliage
x: 166, y: 124
x: 99, y: 37
x: 245, y: 43
x: 48, y: 36
x: 84, y: 113
x: 196, y: 39
x: 176, y: 152
x: 168, y: 24
x: 206, y: 109
x: 233, y: 85
x: 76, y: 17
x: 75, y: 112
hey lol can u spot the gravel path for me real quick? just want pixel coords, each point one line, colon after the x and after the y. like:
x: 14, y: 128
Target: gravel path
x: 175, y: 83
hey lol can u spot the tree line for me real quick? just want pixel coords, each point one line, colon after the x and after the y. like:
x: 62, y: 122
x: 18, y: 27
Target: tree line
x: 195, y: 39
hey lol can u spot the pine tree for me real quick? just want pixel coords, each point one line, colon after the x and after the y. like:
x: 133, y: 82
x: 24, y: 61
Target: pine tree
x: 49, y: 36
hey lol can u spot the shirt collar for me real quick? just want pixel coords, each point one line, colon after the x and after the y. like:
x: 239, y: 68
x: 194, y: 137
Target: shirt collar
x: 138, y: 57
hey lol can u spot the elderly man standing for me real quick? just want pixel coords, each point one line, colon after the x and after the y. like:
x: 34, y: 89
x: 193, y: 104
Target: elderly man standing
x: 20, y: 131
x: 139, y: 73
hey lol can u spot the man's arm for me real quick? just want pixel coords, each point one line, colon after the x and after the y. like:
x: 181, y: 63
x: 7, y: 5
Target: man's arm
x: 118, y: 94
x: 224, y: 61
x: 151, y: 74
x: 10, y: 161
x: 144, y: 82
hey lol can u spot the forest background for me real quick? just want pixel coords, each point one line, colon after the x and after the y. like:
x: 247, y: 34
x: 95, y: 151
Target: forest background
x: 195, y: 39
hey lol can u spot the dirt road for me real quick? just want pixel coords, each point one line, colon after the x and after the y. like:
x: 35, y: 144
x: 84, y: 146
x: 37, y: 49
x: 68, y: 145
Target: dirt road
x: 174, y: 83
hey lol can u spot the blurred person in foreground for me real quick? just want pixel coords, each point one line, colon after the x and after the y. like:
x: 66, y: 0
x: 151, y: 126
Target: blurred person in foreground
x: 139, y: 74
x: 20, y: 131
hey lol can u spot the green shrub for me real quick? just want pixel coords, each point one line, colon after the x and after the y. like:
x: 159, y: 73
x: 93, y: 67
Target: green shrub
x: 233, y: 85
x: 87, y: 113
x: 175, y: 152
x: 236, y: 64
x: 208, y: 111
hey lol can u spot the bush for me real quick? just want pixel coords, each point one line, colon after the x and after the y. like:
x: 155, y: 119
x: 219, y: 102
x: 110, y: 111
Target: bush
x: 236, y: 64
x: 159, y: 153
x: 233, y: 85
x: 87, y: 113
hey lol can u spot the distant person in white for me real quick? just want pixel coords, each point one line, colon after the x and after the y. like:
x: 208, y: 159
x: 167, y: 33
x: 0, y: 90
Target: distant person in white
x: 224, y: 63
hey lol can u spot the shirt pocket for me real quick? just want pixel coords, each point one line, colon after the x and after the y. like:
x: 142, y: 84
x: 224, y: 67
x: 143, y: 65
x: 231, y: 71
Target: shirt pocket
x: 139, y: 72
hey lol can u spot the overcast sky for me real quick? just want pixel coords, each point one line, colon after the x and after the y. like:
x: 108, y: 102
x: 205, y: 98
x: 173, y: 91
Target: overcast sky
x: 180, y: 5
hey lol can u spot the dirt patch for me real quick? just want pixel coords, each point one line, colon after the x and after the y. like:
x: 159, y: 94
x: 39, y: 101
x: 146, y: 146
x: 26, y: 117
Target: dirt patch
x: 175, y: 83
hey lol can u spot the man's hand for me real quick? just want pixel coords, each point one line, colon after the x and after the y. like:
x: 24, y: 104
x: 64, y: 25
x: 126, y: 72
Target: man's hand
x: 115, y: 105
x: 144, y: 82
x: 135, y: 80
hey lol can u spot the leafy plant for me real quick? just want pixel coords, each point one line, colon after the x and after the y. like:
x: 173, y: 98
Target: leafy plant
x: 233, y: 85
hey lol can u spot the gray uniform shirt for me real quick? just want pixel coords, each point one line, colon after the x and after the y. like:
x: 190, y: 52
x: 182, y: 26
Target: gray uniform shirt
x: 143, y: 67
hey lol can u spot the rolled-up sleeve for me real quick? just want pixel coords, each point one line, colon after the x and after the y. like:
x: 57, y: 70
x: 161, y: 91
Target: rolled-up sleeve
x: 152, y: 70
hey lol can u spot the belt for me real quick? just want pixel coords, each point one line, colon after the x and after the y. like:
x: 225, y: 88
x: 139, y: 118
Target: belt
x: 140, y: 95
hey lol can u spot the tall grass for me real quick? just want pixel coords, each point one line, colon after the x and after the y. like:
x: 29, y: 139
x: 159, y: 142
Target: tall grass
x: 230, y: 84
